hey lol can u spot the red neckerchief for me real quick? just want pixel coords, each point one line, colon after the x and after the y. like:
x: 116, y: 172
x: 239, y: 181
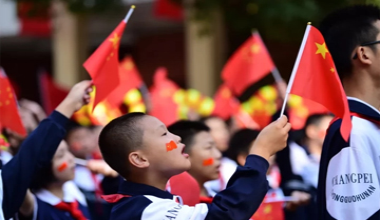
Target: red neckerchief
x: 114, y: 198
x: 72, y: 208
x: 205, y: 199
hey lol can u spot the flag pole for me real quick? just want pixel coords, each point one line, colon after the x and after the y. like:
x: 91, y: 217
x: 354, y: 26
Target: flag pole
x: 295, y: 68
x: 129, y: 13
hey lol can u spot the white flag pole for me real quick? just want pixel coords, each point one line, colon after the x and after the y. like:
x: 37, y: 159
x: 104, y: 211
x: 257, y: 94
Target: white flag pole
x: 129, y: 13
x: 295, y: 68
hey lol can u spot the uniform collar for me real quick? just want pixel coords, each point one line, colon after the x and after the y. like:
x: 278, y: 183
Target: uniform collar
x: 46, y: 196
x: 135, y: 189
x: 360, y: 107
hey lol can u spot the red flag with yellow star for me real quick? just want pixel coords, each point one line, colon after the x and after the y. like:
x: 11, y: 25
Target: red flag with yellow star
x: 163, y: 92
x: 129, y: 79
x: 9, y: 115
x: 250, y: 63
x: 103, y: 65
x: 314, y: 77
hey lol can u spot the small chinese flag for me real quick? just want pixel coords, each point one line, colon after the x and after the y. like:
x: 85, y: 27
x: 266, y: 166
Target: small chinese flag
x: 226, y: 104
x: 51, y: 93
x: 103, y: 64
x: 162, y: 95
x: 315, y: 78
x: 250, y: 63
x: 9, y: 115
x: 129, y: 79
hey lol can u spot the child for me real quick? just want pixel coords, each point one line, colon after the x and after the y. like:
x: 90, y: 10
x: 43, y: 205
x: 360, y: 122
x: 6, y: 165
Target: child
x: 37, y: 150
x: 140, y: 148
x: 219, y: 131
x: 51, y: 200
x: 314, y: 135
x: 204, y: 155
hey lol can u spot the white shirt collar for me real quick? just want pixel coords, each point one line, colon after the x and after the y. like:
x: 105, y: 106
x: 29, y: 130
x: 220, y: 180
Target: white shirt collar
x: 53, y: 200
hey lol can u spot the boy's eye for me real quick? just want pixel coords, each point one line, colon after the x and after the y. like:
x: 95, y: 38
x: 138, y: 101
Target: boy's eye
x: 164, y: 134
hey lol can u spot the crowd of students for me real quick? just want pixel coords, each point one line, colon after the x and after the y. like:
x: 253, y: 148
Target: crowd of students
x: 127, y: 169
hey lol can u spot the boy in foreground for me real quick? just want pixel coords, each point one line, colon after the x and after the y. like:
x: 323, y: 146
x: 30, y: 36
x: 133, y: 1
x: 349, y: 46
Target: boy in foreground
x: 140, y: 148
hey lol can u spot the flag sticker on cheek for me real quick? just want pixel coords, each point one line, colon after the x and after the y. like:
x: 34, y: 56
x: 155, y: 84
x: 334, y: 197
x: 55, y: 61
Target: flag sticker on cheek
x: 62, y: 167
x: 208, y: 162
x: 171, y: 146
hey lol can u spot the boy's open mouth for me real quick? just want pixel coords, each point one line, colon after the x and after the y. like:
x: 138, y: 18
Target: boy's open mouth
x: 183, y: 152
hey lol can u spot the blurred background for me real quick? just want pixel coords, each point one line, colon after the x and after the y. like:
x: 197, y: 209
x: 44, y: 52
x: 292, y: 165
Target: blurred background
x: 191, y: 38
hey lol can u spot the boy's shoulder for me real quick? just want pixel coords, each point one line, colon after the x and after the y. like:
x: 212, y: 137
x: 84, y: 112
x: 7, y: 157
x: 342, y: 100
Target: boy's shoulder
x: 147, y: 207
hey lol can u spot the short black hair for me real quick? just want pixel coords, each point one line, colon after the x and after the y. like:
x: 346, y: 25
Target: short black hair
x: 187, y: 130
x: 347, y: 28
x: 240, y: 142
x: 119, y: 138
x: 315, y: 119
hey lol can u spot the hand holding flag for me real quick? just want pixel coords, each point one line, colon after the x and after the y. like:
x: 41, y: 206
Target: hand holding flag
x: 315, y: 78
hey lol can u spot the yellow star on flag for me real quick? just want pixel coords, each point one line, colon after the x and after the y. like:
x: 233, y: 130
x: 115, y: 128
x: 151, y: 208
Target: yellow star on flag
x: 322, y: 49
x: 255, y: 48
x: 128, y: 65
x: 332, y: 69
x: 268, y: 209
x: 115, y: 40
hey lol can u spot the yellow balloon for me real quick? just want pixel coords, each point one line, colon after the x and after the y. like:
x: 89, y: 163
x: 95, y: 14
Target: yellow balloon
x: 138, y: 108
x: 256, y: 103
x: 269, y: 93
x: 193, y: 96
x: 132, y: 96
x: 180, y: 96
x: 246, y: 106
x: 183, y: 111
x: 294, y: 100
x: 206, y: 107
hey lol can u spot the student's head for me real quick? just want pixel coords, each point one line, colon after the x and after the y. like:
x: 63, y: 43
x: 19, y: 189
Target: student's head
x: 219, y: 131
x: 59, y: 170
x: 200, y: 145
x: 349, y: 34
x: 240, y: 144
x: 81, y: 141
x: 315, y: 128
x: 136, y: 144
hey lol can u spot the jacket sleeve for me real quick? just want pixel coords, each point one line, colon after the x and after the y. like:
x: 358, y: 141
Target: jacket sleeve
x: 242, y: 197
x: 35, y: 152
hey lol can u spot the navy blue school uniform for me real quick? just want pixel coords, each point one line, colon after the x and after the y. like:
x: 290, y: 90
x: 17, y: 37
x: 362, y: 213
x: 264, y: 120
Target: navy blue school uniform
x: 35, y: 152
x: 348, y: 186
x: 244, y: 193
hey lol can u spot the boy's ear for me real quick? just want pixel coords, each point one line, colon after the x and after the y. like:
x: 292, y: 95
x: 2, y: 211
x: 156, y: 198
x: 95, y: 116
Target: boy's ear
x: 138, y: 159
